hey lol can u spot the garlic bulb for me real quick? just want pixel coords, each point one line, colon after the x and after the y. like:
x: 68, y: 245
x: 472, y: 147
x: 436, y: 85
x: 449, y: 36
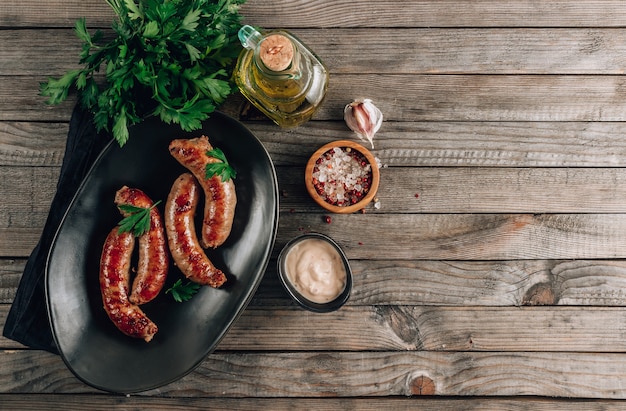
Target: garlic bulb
x: 364, y: 118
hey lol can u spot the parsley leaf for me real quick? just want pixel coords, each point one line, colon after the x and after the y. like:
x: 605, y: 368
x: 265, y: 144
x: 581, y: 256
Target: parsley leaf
x: 57, y: 90
x: 222, y: 169
x: 138, y: 219
x: 120, y: 127
x: 133, y: 11
x: 190, y: 22
x: 182, y: 292
x: 169, y: 58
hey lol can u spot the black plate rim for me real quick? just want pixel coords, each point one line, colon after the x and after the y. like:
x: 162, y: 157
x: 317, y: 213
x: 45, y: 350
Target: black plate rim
x: 241, y: 307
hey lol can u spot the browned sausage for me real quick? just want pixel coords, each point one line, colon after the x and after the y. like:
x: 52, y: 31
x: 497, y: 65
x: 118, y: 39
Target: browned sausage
x: 153, y: 260
x: 114, y: 283
x: 189, y: 257
x: 220, y: 197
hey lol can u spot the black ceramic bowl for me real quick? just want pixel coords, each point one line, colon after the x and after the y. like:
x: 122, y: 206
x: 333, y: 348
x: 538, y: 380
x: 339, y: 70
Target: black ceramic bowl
x: 292, y: 290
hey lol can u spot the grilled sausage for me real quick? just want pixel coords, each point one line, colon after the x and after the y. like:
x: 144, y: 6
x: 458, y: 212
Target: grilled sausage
x: 153, y: 260
x: 114, y: 283
x: 187, y: 253
x: 220, y: 197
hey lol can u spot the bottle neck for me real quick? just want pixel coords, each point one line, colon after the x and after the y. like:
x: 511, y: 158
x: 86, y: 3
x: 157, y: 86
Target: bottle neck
x: 276, y: 56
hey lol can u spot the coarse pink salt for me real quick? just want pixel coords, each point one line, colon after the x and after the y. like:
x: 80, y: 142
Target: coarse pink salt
x: 342, y: 176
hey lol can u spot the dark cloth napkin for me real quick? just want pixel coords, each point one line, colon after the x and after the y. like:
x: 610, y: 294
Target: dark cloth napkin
x: 27, y: 321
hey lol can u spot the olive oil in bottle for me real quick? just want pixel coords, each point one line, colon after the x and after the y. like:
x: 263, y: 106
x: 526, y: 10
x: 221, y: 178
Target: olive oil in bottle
x: 279, y: 75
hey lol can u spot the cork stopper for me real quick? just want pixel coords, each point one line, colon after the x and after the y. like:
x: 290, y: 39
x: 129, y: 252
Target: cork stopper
x: 276, y: 52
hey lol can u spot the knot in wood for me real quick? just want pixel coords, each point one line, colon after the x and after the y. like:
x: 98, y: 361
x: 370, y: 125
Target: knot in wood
x: 422, y: 385
x: 540, y: 294
x: 403, y: 324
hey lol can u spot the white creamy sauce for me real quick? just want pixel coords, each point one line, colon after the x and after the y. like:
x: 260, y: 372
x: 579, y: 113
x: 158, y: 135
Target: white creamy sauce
x: 316, y: 270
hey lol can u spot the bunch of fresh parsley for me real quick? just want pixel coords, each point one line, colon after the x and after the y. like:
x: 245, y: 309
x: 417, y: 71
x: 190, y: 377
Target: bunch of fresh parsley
x: 169, y: 58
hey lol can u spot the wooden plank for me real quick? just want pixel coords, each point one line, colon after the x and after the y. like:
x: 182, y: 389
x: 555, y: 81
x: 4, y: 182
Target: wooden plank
x: 416, y: 98
x: 479, y: 190
x: 27, y: 194
x: 414, y: 51
x: 449, y: 283
x: 469, y: 51
x: 383, y: 374
x: 436, y: 236
x: 473, y: 283
x: 341, y: 374
x: 32, y: 143
x: 23, y: 52
x: 419, y: 144
x: 95, y: 402
x: 467, y: 236
x: 502, y: 144
x: 490, y: 284
x: 442, y: 283
x: 482, y: 97
x: 423, y: 328
x: 27, y: 104
x: 10, y: 275
x: 402, y: 190
x: 415, y: 328
x: 448, y: 13
x: 393, y: 13
x: 18, y: 242
x: 55, y: 13
x: 460, y: 144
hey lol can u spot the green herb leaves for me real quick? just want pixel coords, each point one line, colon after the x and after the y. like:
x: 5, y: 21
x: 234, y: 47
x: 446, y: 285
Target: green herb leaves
x: 169, y: 58
x: 183, y: 292
x: 222, y: 169
x: 138, y: 219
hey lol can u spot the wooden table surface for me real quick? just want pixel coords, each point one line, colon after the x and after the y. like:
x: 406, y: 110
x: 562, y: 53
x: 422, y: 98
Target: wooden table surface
x: 492, y: 277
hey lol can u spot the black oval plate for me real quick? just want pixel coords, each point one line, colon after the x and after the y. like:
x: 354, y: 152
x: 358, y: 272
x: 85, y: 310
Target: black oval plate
x: 92, y: 348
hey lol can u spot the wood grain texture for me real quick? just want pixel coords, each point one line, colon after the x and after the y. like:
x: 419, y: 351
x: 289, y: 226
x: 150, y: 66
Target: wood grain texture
x: 407, y: 144
x: 402, y: 190
x: 493, y: 276
x: 448, y: 13
x: 460, y: 144
x: 95, y: 402
x: 32, y: 143
x: 26, y: 201
x: 445, y: 283
x: 413, y: 328
x: 430, y: 51
x: 482, y: 97
x: 490, y: 284
x: 334, y: 374
x: 18, y: 242
x: 469, y: 50
x: 23, y: 52
x: 468, y: 236
x: 416, y: 98
x: 394, y: 13
x: 436, y: 236
x: 10, y: 274
x: 479, y: 190
x: 422, y: 328
x: 345, y: 374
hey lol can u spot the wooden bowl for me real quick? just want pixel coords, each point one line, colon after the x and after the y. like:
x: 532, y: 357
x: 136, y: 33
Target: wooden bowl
x: 342, y: 209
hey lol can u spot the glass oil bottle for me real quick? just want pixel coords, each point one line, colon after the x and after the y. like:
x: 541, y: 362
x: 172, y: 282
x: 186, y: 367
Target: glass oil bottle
x: 279, y: 75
